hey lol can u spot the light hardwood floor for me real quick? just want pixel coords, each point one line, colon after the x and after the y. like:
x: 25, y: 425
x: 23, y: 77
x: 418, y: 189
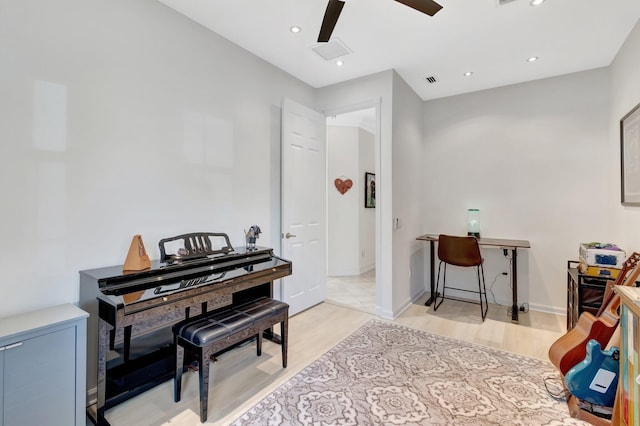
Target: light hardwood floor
x: 239, y: 379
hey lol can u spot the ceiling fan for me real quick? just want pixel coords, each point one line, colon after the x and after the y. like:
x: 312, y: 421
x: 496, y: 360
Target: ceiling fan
x: 334, y: 8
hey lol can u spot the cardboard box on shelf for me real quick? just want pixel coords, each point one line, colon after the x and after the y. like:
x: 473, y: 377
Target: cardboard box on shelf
x: 603, y: 255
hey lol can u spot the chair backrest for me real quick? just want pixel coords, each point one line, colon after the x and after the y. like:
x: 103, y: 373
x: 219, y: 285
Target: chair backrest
x: 459, y: 251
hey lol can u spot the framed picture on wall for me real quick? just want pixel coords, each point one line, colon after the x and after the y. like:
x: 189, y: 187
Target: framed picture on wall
x: 630, y: 157
x: 369, y: 190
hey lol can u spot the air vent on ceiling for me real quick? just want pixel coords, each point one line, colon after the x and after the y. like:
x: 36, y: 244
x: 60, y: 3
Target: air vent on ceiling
x: 432, y: 79
x: 332, y: 49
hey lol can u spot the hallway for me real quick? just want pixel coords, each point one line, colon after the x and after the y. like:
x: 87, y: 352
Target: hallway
x: 356, y: 292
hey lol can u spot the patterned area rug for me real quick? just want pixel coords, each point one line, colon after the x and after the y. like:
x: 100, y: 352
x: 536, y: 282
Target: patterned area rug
x: 387, y: 374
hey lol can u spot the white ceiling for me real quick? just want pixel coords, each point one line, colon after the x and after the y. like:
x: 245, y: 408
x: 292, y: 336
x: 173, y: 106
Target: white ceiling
x: 466, y: 35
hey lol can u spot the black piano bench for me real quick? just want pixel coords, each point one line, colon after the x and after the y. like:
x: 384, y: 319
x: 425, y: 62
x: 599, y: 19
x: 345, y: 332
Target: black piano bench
x: 211, y: 333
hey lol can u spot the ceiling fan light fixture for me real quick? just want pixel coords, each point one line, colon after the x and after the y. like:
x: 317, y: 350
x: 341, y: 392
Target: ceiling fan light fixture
x: 334, y: 8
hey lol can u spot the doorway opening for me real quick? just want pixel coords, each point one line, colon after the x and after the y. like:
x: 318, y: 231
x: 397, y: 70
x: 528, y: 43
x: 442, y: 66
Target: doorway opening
x: 351, y: 217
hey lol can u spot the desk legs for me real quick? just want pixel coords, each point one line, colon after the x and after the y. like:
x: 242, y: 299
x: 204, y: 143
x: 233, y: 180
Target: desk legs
x: 432, y: 267
x: 514, y: 277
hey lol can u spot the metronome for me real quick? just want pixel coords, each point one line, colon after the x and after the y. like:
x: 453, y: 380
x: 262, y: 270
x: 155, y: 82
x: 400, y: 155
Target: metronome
x: 137, y: 259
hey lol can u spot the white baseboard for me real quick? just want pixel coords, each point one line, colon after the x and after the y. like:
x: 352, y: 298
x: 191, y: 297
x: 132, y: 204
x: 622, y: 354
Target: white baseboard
x: 532, y: 307
x: 367, y: 268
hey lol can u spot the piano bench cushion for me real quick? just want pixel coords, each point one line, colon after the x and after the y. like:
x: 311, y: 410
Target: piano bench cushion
x: 208, y: 328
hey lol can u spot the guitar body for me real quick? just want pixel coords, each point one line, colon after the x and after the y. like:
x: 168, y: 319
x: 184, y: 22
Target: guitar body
x: 595, y: 379
x: 570, y: 349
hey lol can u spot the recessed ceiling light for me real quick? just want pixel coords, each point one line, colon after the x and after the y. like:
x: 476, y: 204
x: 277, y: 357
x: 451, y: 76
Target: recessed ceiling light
x: 339, y: 63
x: 536, y: 2
x: 532, y: 59
x: 468, y: 74
x: 295, y: 29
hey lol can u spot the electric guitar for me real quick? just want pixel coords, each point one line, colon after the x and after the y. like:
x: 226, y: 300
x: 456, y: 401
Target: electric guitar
x: 595, y: 379
x: 570, y: 349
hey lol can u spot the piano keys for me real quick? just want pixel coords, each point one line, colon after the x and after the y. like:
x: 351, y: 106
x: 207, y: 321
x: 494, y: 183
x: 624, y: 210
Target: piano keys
x: 130, y: 344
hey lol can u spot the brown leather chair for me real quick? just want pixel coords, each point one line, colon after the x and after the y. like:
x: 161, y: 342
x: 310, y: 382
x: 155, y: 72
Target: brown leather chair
x: 464, y: 252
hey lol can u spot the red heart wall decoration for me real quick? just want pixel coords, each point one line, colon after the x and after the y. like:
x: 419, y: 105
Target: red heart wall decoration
x: 343, y: 185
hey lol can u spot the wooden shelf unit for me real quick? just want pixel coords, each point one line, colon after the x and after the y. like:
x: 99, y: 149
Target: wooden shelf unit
x: 584, y: 293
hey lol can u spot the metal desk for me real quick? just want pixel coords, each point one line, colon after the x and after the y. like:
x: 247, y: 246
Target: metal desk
x: 504, y: 244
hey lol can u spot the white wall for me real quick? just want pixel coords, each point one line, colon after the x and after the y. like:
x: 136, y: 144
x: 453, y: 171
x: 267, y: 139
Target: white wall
x: 374, y: 90
x: 123, y: 117
x: 535, y: 159
x: 343, y: 234
x: 367, y: 216
x: 625, y: 94
x: 408, y: 190
x: 351, y: 226
x: 399, y: 257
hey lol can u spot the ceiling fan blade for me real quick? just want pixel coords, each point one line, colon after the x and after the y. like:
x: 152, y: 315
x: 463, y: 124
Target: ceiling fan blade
x: 429, y: 7
x: 330, y: 19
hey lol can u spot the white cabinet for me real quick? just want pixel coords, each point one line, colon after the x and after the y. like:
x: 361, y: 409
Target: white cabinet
x: 43, y: 367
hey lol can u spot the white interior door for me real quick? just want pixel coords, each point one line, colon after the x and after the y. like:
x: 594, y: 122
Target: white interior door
x: 303, y: 205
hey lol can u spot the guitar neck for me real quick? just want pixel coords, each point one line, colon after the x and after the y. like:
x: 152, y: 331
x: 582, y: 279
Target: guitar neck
x: 631, y: 268
x: 611, y: 314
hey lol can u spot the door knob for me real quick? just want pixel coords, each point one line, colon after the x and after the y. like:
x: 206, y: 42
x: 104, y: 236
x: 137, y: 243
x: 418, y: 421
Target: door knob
x: 289, y: 235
